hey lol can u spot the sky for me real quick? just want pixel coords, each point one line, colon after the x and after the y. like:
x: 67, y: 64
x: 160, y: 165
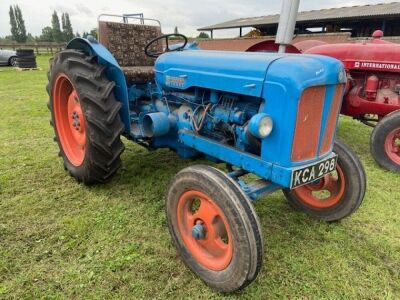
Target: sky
x: 187, y: 15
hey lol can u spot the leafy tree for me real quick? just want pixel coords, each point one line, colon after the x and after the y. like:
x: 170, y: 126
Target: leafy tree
x: 13, y: 23
x: 21, y: 24
x: 203, y: 35
x: 68, y: 33
x: 176, y: 31
x: 18, y: 30
x: 7, y: 39
x: 77, y: 34
x: 30, y: 38
x: 92, y: 32
x: 56, y: 28
x: 47, y: 34
x: 63, y: 21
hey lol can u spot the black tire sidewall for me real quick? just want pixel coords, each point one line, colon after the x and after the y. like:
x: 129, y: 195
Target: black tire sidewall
x: 378, y: 139
x: 25, y: 52
x: 27, y: 59
x: 101, y: 112
x: 76, y: 171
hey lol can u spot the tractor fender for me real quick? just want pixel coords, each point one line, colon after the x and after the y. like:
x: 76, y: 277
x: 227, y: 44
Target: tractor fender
x: 113, y: 72
x: 271, y: 46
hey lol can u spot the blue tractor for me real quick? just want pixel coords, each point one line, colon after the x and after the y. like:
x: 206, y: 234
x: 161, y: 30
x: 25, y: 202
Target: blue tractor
x: 267, y: 114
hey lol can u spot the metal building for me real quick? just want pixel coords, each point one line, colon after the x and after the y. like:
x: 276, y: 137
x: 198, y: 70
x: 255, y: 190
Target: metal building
x: 360, y: 21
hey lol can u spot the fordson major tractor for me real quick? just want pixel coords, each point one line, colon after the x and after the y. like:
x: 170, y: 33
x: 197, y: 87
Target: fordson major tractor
x: 268, y: 114
x: 372, y: 93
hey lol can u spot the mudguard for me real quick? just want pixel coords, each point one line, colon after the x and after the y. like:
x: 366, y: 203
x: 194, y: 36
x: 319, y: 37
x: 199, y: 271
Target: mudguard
x: 113, y: 72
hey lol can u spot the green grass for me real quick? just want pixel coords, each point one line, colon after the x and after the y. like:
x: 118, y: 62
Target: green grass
x: 60, y: 239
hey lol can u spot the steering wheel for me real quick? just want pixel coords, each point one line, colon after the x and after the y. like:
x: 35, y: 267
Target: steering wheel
x: 167, y: 49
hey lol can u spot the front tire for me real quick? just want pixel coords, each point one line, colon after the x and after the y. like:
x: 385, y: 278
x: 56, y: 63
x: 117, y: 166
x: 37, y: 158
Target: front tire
x: 335, y: 196
x: 385, y: 142
x: 85, y: 117
x: 214, y: 228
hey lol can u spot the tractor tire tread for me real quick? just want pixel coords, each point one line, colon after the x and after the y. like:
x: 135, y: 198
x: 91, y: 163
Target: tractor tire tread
x: 243, y: 220
x: 103, y: 124
x: 378, y: 138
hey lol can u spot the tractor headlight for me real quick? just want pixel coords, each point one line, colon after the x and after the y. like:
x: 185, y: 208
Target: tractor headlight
x: 261, y: 125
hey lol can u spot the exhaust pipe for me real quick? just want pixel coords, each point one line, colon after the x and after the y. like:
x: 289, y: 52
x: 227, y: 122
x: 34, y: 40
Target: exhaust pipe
x: 287, y: 23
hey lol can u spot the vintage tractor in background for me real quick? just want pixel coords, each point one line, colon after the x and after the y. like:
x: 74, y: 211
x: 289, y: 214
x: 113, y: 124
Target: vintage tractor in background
x: 268, y: 114
x: 372, y: 93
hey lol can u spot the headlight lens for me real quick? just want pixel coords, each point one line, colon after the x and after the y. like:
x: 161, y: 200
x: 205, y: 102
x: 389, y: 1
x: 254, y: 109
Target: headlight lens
x: 265, y: 127
x: 261, y: 125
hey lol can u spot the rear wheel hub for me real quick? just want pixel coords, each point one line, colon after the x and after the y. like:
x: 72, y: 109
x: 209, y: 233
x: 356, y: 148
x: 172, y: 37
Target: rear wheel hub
x: 325, y: 192
x: 205, y: 230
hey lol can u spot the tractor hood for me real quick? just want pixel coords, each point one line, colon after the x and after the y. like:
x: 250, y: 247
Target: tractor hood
x: 378, y: 55
x: 241, y: 72
x: 234, y: 72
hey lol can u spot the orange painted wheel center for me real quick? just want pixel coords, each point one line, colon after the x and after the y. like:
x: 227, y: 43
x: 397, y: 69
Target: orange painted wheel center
x: 324, y: 193
x: 215, y: 249
x: 69, y: 120
x: 392, y: 146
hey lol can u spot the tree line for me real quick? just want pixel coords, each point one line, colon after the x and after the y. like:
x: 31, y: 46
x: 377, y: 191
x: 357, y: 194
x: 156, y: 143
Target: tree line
x: 58, y: 31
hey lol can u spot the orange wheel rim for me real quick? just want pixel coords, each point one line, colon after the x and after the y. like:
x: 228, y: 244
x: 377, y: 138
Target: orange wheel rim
x: 69, y: 120
x: 215, y: 250
x: 324, y: 193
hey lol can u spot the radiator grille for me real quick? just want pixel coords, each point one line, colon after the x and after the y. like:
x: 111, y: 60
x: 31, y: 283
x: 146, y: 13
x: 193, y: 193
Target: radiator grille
x: 332, y: 119
x: 308, y: 124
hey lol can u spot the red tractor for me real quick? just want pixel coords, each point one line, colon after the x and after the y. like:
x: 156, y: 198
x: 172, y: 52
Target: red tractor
x: 372, y: 93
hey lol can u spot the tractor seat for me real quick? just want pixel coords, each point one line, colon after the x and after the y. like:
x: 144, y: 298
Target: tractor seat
x: 127, y: 43
x: 139, y: 74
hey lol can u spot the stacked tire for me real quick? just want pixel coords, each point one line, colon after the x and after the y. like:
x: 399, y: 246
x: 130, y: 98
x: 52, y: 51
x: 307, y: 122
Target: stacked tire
x: 26, y: 59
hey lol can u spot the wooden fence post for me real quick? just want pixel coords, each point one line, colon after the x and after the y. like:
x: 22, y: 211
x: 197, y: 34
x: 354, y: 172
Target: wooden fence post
x: 45, y: 48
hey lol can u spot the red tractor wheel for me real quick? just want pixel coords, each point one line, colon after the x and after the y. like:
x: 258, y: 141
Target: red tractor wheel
x: 335, y: 196
x: 84, y: 114
x: 385, y: 142
x: 215, y: 228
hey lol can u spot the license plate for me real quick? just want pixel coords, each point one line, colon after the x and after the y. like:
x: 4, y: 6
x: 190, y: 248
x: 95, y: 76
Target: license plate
x: 313, y: 172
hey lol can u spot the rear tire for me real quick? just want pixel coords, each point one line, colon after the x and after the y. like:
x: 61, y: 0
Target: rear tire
x: 385, y: 142
x: 85, y: 117
x: 228, y: 255
x: 335, y: 196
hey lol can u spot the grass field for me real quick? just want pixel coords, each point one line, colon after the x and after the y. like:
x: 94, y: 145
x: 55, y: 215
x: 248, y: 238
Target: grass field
x: 60, y: 239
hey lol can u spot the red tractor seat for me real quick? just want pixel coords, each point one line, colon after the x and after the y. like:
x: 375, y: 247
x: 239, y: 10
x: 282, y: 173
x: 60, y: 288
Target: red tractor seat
x: 127, y: 42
